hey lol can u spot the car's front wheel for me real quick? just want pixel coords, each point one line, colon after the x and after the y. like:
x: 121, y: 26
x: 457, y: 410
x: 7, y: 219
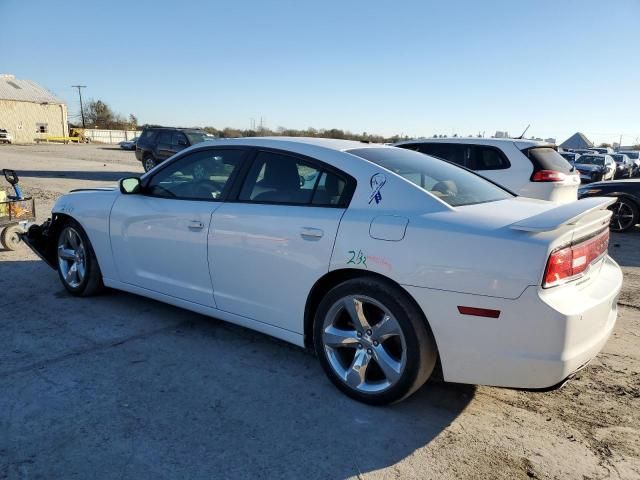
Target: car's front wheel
x: 373, y: 341
x: 77, y: 264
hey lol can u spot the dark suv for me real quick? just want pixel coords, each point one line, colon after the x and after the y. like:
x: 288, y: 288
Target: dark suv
x: 156, y: 144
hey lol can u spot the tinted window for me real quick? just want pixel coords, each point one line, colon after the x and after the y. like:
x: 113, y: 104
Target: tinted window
x: 196, y: 137
x: 454, y: 153
x: 633, y: 155
x: 486, y: 158
x: 280, y: 178
x: 545, y: 158
x: 178, y: 139
x: 200, y: 175
x: 451, y: 184
x: 164, y: 137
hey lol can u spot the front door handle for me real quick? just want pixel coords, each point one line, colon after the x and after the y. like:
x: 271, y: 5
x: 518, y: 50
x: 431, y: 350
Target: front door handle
x: 196, y: 225
x: 309, y: 233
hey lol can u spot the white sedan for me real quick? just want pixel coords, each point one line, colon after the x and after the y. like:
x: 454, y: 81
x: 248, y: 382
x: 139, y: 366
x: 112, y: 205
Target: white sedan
x: 381, y: 259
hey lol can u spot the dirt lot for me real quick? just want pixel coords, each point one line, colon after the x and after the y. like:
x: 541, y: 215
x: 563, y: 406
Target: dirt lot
x: 118, y: 386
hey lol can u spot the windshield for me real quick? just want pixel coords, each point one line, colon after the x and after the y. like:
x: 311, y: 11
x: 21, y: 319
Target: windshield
x: 196, y: 137
x: 590, y: 160
x: 450, y: 183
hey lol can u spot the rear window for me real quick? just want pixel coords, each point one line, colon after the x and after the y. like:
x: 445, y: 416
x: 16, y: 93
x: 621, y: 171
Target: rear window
x: 196, y: 137
x: 545, y: 158
x: 590, y: 160
x: 453, y: 185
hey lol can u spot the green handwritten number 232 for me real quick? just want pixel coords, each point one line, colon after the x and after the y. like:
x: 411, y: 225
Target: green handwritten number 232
x: 357, y: 258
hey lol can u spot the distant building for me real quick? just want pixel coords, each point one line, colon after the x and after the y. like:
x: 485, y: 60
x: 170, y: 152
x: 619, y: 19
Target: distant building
x: 29, y: 111
x: 550, y: 140
x: 577, y: 140
x: 501, y: 135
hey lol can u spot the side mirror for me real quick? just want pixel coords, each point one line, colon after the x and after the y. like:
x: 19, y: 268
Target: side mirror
x: 130, y: 185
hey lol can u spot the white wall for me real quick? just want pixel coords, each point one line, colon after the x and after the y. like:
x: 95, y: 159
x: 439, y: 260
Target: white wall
x: 110, y: 136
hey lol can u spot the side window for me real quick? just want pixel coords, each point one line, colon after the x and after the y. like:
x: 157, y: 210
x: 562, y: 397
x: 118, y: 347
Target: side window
x: 280, y: 178
x: 178, y: 139
x: 164, y: 137
x: 329, y: 190
x: 487, y: 158
x: 202, y: 175
x: 454, y: 153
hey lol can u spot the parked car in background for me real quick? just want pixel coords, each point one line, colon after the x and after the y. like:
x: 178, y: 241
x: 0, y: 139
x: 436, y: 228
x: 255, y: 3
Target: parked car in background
x: 626, y: 210
x: 129, y: 144
x: 581, y: 151
x: 388, y: 262
x: 570, y: 157
x: 634, y: 156
x: 156, y: 144
x: 625, y: 168
x: 5, y: 136
x: 526, y: 167
x: 602, y: 150
x: 595, y: 167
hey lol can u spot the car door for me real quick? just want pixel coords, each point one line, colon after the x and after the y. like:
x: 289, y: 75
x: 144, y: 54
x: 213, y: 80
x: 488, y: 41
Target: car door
x: 159, y: 237
x: 268, y: 248
x: 163, y: 145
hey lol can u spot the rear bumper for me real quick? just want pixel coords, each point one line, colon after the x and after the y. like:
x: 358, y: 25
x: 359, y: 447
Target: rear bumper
x: 539, y: 339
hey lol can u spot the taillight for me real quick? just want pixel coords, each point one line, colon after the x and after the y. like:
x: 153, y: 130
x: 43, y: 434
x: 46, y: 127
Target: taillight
x: 570, y: 262
x: 548, y: 176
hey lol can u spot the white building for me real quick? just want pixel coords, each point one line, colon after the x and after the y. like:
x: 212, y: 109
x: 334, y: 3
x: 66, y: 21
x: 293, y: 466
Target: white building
x: 30, y: 112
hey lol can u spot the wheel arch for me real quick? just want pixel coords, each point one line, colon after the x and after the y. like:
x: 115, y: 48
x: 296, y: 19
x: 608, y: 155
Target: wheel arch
x: 335, y: 277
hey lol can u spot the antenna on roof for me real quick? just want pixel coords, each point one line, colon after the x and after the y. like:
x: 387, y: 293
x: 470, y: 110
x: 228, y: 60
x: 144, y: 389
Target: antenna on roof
x: 525, y: 131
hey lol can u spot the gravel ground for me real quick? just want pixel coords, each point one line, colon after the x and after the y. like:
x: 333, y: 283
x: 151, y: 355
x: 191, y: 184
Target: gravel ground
x: 118, y: 386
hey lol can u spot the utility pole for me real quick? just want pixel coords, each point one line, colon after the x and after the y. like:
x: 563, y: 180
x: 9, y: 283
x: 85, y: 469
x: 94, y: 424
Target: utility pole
x: 81, y: 108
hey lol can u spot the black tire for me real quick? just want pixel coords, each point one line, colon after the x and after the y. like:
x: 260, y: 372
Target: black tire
x: 10, y: 237
x: 91, y: 282
x: 626, y: 215
x: 148, y: 162
x: 419, y: 344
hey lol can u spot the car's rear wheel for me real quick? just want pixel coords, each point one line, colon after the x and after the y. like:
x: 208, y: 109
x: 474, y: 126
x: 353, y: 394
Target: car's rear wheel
x: 148, y: 163
x: 77, y: 264
x: 625, y: 215
x: 373, y: 341
x: 10, y: 237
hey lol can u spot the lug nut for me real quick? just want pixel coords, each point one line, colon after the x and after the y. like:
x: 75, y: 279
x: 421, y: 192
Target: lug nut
x: 369, y: 332
x: 375, y: 343
x: 359, y: 345
x: 369, y: 351
x: 359, y: 334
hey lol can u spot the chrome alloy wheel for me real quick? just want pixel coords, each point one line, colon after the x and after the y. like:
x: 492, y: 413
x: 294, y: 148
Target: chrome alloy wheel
x: 364, y: 344
x: 72, y: 257
x: 622, y: 217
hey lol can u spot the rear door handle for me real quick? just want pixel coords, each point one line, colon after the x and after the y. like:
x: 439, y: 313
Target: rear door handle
x: 309, y: 233
x: 196, y: 225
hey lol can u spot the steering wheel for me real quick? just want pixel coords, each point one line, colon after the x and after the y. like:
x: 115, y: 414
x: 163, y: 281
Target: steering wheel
x: 206, y: 188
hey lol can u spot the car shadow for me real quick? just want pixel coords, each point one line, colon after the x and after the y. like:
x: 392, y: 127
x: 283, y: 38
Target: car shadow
x: 120, y: 383
x: 107, y: 176
x: 115, y: 148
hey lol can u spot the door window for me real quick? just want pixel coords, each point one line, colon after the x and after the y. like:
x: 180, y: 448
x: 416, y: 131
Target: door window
x: 453, y: 153
x: 179, y: 140
x: 203, y: 175
x: 279, y: 178
x: 165, y: 137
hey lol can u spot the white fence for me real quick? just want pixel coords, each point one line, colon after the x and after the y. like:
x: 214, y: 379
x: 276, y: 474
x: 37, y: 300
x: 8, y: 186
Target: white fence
x: 110, y: 136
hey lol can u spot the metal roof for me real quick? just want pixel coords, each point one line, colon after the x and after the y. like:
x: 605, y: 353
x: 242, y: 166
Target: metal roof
x: 12, y: 88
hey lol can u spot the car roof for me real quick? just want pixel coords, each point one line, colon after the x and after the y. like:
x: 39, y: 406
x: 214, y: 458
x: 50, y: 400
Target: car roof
x: 182, y: 129
x: 287, y: 142
x: 496, y: 142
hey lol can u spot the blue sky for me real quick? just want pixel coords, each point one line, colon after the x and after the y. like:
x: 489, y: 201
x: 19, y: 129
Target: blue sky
x: 414, y: 67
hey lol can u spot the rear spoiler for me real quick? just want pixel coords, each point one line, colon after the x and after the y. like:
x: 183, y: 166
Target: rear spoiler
x: 567, y: 214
